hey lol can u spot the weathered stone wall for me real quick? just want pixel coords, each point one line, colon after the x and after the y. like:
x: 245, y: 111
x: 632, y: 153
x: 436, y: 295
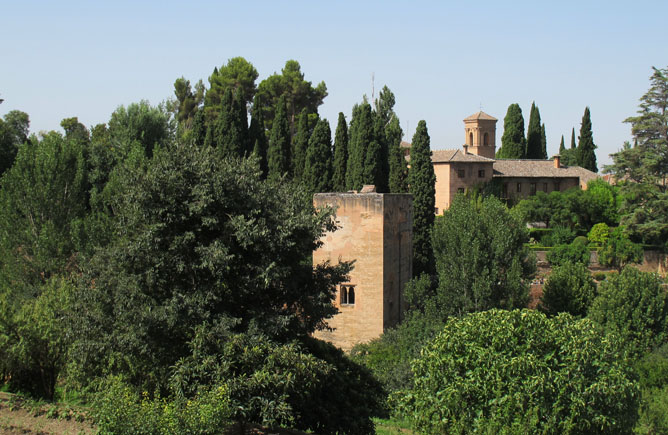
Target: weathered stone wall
x: 375, y: 230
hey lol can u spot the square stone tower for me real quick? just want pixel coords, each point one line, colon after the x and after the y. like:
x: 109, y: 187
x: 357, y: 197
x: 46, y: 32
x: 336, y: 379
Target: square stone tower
x: 375, y: 230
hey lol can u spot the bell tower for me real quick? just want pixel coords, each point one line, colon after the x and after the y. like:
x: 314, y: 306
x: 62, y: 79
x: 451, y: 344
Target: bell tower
x: 481, y: 134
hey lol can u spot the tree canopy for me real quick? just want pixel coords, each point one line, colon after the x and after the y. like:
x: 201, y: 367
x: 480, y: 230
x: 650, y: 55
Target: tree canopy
x: 513, y: 143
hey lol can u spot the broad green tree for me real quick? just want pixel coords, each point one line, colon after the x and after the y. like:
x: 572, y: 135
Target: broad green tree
x: 318, y: 162
x: 513, y: 143
x: 236, y: 74
x: 534, y: 146
x: 422, y: 181
x: 13, y: 133
x: 139, y: 123
x: 569, y: 289
x: 633, y: 305
x: 340, y: 155
x: 522, y: 372
x: 187, y: 102
x: 586, y: 147
x: 481, y: 259
x: 617, y: 250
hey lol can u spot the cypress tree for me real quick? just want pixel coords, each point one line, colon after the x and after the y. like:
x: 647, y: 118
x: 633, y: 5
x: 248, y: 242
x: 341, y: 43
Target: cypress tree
x: 573, y: 145
x: 278, y: 154
x: 352, y: 152
x: 543, y: 142
x: 586, y: 155
x: 256, y: 134
x: 340, y: 155
x: 373, y: 166
x: 208, y: 138
x: 361, y: 135
x: 240, y: 120
x: 422, y: 181
x: 513, y: 143
x: 199, y: 129
x: 317, y: 176
x: 534, y: 148
x: 231, y: 130
x: 300, y: 145
x: 562, y: 147
x: 398, y: 178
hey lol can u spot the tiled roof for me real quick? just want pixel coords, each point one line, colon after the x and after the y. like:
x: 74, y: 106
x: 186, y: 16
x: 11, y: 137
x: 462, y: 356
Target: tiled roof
x: 540, y: 168
x: 443, y: 156
x: 480, y: 115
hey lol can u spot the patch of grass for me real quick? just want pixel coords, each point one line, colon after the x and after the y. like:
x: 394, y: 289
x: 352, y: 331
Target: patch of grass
x: 392, y: 427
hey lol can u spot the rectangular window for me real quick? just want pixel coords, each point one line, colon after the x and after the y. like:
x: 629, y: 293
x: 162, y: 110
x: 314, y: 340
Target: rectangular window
x: 519, y: 187
x: 544, y: 187
x: 556, y: 186
x: 435, y: 210
x: 532, y: 188
x: 505, y: 190
x: 481, y: 173
x: 461, y: 173
x: 460, y: 190
x: 347, y: 296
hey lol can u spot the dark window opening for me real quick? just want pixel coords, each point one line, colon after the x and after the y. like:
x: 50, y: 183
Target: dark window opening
x: 460, y: 190
x: 481, y: 173
x: 461, y: 173
x: 470, y: 139
x: 532, y: 188
x: 347, y: 295
x: 485, y: 139
x: 556, y: 186
x: 519, y: 187
x: 544, y: 187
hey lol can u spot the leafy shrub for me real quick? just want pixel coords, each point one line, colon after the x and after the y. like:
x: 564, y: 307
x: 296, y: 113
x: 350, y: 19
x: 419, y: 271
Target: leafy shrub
x: 633, y: 305
x: 559, y: 236
x: 618, y: 250
x: 569, y: 288
x: 521, y: 371
x: 599, y: 233
x: 652, y: 372
x: 599, y: 276
x: 576, y: 252
x: 390, y: 355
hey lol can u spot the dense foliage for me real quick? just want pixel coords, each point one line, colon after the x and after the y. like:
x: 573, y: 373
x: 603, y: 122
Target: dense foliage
x: 521, y: 372
x: 586, y: 155
x: 513, y: 142
x: 569, y: 289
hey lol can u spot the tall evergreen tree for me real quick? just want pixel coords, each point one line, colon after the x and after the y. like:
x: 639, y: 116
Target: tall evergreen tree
x: 398, y: 178
x: 361, y: 135
x: 278, y: 154
x: 257, y: 135
x: 422, y: 181
x: 317, y: 175
x: 300, y: 143
x: 586, y: 154
x: 513, y: 143
x: 376, y: 163
x: 573, y: 144
x: 534, y: 147
x: 340, y: 155
x: 240, y: 112
x: 198, y: 133
x: 231, y: 131
x: 562, y: 147
x: 543, y: 141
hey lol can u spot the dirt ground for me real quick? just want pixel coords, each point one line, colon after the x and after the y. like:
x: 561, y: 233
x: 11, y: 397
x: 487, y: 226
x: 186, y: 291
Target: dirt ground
x: 22, y: 421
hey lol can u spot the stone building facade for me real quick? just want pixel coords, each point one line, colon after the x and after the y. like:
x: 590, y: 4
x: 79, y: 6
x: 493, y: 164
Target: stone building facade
x: 376, y: 231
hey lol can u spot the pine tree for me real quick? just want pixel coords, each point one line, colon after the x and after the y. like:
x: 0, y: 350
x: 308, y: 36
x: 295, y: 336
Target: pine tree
x: 513, y: 143
x: 422, y: 181
x: 562, y: 147
x: 586, y: 154
x: 398, y: 178
x: 534, y: 148
x: 573, y: 144
x: 256, y: 134
x: 317, y: 176
x: 278, y: 154
x: 543, y: 142
x: 300, y: 145
x: 361, y: 135
x: 199, y: 129
x: 340, y: 155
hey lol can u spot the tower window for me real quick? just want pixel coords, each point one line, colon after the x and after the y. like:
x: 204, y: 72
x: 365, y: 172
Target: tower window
x: 485, y: 139
x: 471, y: 139
x: 347, y: 294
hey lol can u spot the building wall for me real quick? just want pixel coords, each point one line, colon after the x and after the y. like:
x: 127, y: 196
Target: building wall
x: 542, y: 184
x: 376, y: 232
x: 448, y: 181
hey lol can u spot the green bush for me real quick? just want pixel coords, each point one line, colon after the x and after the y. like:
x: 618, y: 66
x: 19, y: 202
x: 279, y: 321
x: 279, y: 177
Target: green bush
x: 559, y: 236
x: 521, y: 371
x: 576, y: 252
x: 652, y: 372
x: 599, y: 233
x: 633, y: 305
x: 599, y: 276
x: 618, y: 250
x: 569, y: 288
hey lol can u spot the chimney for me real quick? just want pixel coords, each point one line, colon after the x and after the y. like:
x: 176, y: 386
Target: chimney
x: 466, y: 149
x: 556, y: 162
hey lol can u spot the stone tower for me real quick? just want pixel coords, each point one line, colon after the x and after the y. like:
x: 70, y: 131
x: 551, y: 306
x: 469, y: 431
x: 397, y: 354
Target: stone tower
x: 481, y: 134
x: 375, y: 230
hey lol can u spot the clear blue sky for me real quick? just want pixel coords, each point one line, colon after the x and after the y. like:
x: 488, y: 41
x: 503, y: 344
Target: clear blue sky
x: 442, y: 60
